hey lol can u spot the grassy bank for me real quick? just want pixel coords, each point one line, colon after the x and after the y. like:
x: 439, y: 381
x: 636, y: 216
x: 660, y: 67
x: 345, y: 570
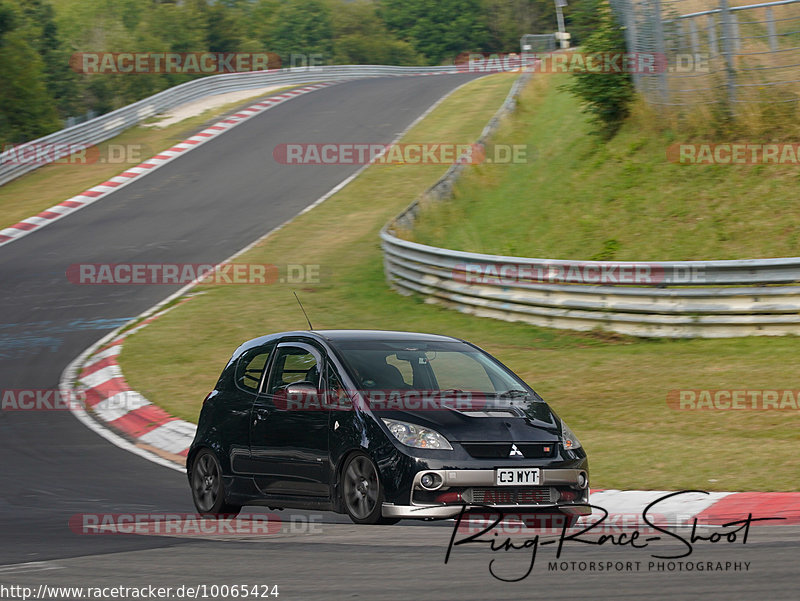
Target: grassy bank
x: 612, y: 390
x: 577, y: 198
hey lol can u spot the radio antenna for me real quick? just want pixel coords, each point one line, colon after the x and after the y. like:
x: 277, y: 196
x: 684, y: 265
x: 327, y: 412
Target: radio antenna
x: 310, y: 327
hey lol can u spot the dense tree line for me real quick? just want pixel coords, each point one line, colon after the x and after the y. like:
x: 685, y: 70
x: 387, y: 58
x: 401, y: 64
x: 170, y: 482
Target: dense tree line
x: 39, y: 90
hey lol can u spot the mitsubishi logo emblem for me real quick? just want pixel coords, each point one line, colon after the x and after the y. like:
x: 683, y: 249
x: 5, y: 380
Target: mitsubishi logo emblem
x: 515, y: 452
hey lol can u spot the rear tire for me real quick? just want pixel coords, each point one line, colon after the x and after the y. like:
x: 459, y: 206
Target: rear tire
x: 362, y: 491
x: 208, y: 490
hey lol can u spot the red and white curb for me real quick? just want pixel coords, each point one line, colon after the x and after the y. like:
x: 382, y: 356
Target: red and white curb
x: 712, y: 508
x: 92, y: 195
x: 111, y: 401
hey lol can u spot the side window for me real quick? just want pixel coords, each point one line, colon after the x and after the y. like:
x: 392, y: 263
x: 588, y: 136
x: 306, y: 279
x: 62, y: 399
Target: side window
x: 293, y: 364
x: 250, y: 367
x: 336, y: 395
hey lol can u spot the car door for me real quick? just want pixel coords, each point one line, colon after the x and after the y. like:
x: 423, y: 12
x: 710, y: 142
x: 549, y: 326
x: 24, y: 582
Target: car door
x: 235, y: 421
x: 289, y: 443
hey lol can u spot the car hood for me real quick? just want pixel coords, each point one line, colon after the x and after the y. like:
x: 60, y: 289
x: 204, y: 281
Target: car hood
x: 533, y: 422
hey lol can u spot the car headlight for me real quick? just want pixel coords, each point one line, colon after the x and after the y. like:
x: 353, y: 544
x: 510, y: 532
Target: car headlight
x: 416, y: 436
x: 568, y: 438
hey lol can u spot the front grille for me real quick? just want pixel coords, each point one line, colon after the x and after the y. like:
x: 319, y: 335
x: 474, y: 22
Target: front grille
x: 501, y: 450
x: 537, y: 450
x: 488, y: 450
x: 512, y: 495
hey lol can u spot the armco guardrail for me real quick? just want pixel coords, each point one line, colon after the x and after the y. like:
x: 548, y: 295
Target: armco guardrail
x: 109, y: 125
x: 677, y: 299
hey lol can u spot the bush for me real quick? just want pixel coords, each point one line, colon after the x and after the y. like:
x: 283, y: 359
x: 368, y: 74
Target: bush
x: 607, y: 96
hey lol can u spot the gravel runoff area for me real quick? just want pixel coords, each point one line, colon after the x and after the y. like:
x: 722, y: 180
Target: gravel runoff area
x: 198, y: 107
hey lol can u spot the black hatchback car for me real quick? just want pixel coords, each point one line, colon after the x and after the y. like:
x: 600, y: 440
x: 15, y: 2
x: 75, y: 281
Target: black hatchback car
x: 380, y: 426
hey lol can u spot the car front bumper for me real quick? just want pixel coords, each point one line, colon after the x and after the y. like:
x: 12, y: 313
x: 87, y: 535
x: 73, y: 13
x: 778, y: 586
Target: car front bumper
x: 425, y: 512
x: 467, y: 480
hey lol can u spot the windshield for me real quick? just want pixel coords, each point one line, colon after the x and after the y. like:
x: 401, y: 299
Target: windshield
x: 439, y: 366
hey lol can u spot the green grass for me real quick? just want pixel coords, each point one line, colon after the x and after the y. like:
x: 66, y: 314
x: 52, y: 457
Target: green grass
x: 580, y: 199
x: 611, y: 389
x: 41, y: 189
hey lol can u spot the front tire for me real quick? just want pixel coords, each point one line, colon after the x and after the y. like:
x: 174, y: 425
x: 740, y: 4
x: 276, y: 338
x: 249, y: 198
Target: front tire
x: 208, y: 490
x: 362, y: 491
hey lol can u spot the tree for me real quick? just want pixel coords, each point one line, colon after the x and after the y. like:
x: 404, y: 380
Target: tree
x: 583, y: 18
x: 7, y: 19
x: 439, y: 30
x: 259, y: 24
x: 44, y: 36
x: 607, y: 96
x: 224, y: 31
x: 303, y: 27
x: 361, y: 38
x: 508, y: 20
x: 27, y: 110
x: 168, y: 28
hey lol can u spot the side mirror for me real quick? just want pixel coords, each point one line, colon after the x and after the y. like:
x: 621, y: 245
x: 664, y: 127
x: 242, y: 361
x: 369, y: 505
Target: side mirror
x: 297, y: 396
x: 300, y: 389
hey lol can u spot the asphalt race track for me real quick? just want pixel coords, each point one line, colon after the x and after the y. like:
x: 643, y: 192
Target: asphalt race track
x: 200, y: 208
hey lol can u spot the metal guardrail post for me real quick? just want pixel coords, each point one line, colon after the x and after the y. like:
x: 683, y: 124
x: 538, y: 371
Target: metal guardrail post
x: 712, y: 35
x: 694, y: 37
x: 737, y: 40
x: 773, y: 39
x: 627, y: 18
x: 727, y: 52
x: 663, y: 84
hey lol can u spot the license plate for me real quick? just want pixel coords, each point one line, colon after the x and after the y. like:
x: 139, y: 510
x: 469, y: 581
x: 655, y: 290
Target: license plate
x: 516, y: 476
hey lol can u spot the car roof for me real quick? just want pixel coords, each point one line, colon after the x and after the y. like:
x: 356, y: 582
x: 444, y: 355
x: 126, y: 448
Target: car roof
x: 334, y: 336
x: 382, y: 335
